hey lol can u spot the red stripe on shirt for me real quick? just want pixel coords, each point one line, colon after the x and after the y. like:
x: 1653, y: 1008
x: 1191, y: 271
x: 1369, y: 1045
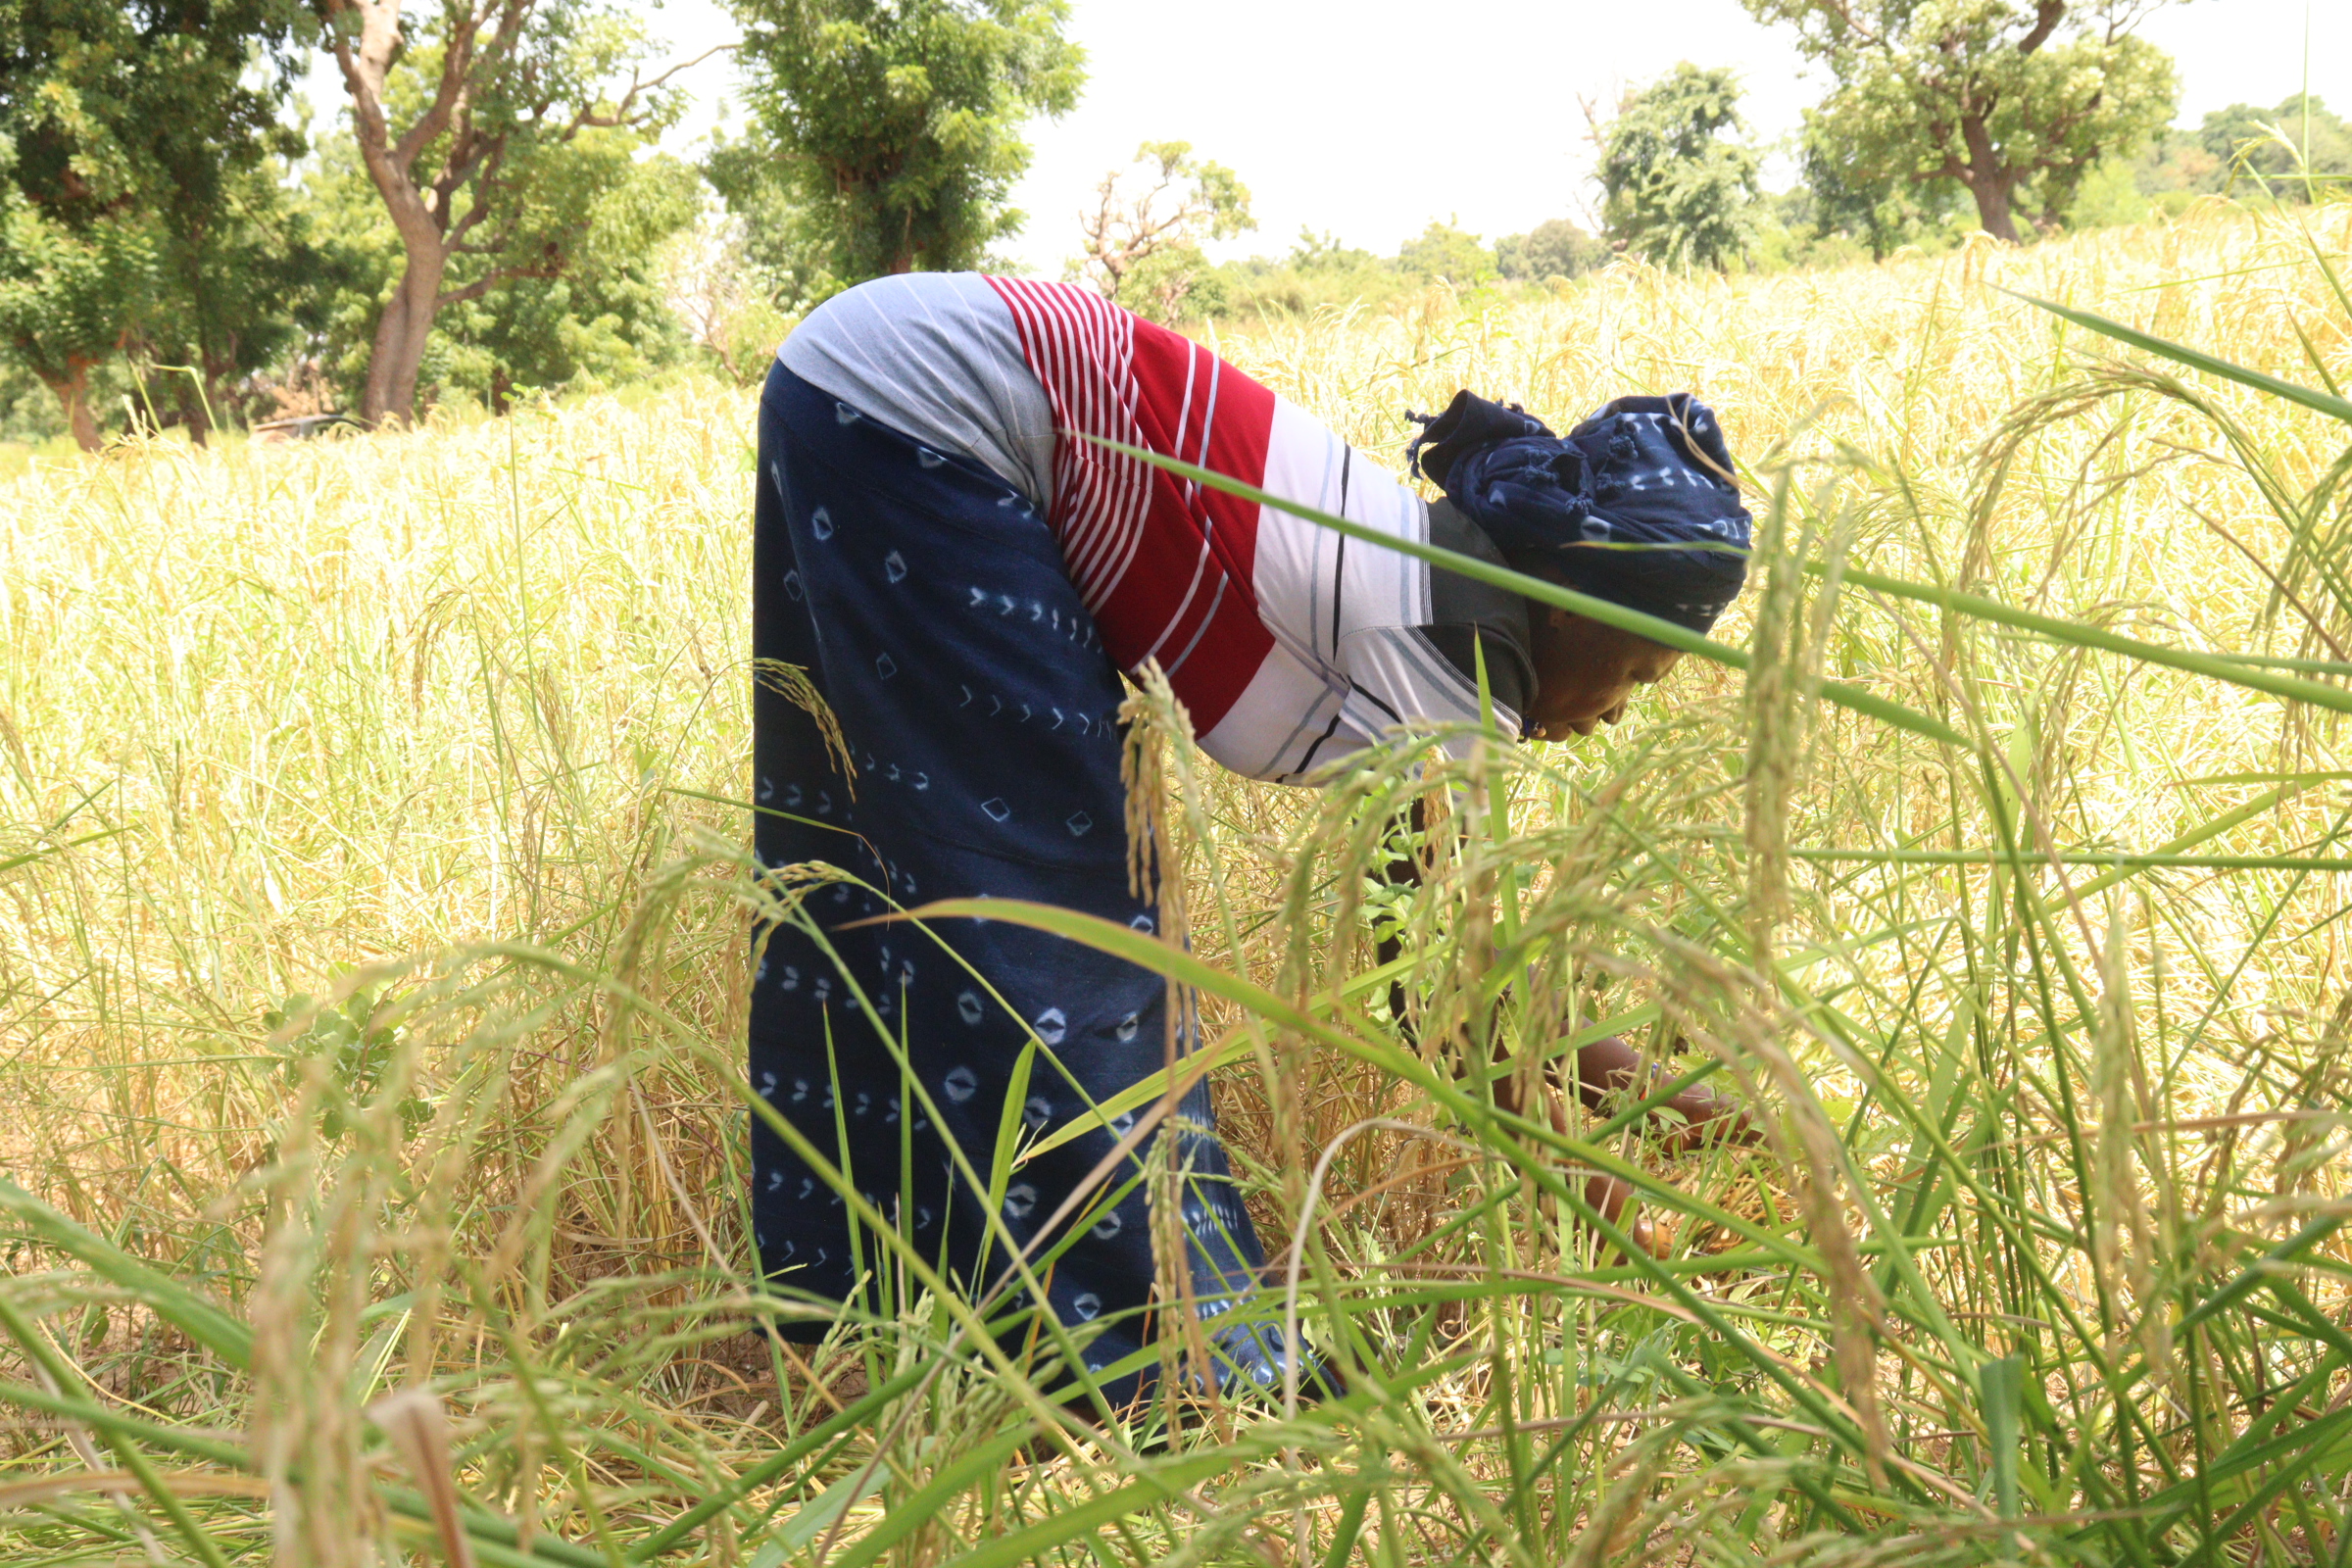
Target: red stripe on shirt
x: 1165, y: 564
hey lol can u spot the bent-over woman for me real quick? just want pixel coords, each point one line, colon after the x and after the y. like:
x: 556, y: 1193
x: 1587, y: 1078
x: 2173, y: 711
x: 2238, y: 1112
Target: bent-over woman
x: 964, y: 581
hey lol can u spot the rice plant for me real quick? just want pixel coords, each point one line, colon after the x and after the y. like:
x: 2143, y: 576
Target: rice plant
x: 375, y: 902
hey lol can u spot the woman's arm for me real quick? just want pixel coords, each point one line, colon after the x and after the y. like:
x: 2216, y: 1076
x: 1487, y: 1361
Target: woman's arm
x: 1593, y: 1072
x: 1610, y: 1197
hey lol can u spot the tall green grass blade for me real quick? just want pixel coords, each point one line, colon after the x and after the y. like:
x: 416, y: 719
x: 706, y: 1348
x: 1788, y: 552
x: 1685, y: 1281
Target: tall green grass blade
x: 2204, y: 832
x: 126, y: 1449
x: 481, y: 1527
x: 153, y: 1434
x: 857, y: 1414
x: 923, y: 1505
x: 1666, y: 632
x: 47, y: 850
x: 2002, y: 1382
x: 173, y: 1302
x: 1349, y: 1529
x: 1159, y: 1484
x: 2285, y: 1254
x: 1009, y: 1131
x: 2074, y: 634
x: 818, y: 1516
x: 2196, y: 360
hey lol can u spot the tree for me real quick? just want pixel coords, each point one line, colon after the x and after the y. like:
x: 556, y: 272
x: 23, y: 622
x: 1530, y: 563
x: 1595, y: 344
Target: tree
x: 611, y: 205
x: 1884, y: 212
x: 605, y: 318
x: 69, y: 296
x: 1556, y: 248
x: 720, y: 296
x: 1144, y: 237
x: 1319, y: 272
x: 239, y: 280
x: 895, y: 123
x: 1448, y: 251
x: 125, y: 128
x: 1326, y: 252
x: 2013, y: 100
x: 1678, y: 182
x: 2295, y: 150
x: 493, y: 95
x: 790, y: 254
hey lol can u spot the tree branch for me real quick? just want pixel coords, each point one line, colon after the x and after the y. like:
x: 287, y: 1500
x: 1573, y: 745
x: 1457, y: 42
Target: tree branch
x: 451, y: 97
x: 2047, y: 16
x: 622, y: 111
x: 478, y: 287
x: 365, y: 72
x: 1844, y: 12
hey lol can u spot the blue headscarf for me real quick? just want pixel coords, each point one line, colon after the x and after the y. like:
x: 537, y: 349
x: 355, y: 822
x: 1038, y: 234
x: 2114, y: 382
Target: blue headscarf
x: 1643, y: 472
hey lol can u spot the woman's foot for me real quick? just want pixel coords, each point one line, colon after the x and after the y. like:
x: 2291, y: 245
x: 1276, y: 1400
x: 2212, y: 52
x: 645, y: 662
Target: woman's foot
x: 1613, y: 1201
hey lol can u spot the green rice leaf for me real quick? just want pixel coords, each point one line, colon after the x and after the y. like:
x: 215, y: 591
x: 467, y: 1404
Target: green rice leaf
x: 169, y: 1300
x: 2195, y: 359
x: 1844, y: 694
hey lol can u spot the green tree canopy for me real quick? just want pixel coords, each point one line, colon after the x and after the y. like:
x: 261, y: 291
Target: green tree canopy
x: 1447, y: 251
x: 895, y: 124
x: 2013, y: 100
x: 1555, y: 248
x: 1144, y: 237
x: 1677, y: 175
x: 69, y: 295
x: 240, y: 282
x: 599, y: 321
x: 469, y: 125
x: 1326, y: 252
x: 128, y: 129
x: 608, y: 205
x: 785, y: 246
x: 2280, y: 146
x: 1881, y: 210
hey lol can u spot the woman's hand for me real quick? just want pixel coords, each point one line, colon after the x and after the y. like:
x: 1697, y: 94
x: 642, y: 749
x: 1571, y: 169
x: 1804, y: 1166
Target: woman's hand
x: 1612, y: 1199
x: 1611, y: 1066
x: 1708, y: 1115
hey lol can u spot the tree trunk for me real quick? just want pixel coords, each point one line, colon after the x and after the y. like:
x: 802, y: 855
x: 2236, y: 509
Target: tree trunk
x: 1994, y: 213
x: 422, y: 221
x: 1990, y: 182
x: 408, y: 322
x: 211, y: 396
x: 208, y: 390
x: 195, y: 411
x: 902, y: 256
x: 72, y: 389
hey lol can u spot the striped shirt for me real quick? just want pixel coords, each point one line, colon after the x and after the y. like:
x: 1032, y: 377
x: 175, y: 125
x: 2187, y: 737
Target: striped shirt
x: 1290, y: 644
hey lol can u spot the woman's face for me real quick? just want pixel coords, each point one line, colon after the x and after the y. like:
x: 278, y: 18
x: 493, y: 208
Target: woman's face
x: 1586, y: 672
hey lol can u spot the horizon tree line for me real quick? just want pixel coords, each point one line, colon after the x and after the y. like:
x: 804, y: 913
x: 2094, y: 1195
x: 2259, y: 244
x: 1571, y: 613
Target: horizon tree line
x: 486, y: 213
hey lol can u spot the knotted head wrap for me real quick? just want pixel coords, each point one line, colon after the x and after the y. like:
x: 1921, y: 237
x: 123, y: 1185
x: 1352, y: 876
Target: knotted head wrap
x: 1636, y: 504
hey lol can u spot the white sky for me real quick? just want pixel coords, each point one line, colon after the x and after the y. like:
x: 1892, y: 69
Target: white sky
x: 1369, y: 118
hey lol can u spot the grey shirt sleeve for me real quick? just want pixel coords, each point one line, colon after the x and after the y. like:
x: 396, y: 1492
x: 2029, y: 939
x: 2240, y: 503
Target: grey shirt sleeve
x: 936, y: 356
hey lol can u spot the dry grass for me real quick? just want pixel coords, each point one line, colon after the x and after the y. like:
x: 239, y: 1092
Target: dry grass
x: 439, y: 729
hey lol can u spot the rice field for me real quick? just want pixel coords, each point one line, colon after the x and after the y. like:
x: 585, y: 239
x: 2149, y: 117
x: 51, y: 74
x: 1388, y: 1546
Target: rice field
x: 374, y: 894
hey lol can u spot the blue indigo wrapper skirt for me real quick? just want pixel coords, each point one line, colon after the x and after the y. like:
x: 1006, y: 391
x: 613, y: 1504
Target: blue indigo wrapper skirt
x: 927, y: 602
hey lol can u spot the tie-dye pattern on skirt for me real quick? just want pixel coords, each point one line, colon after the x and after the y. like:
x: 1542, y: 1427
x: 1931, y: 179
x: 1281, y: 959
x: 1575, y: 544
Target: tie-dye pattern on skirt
x: 927, y: 602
